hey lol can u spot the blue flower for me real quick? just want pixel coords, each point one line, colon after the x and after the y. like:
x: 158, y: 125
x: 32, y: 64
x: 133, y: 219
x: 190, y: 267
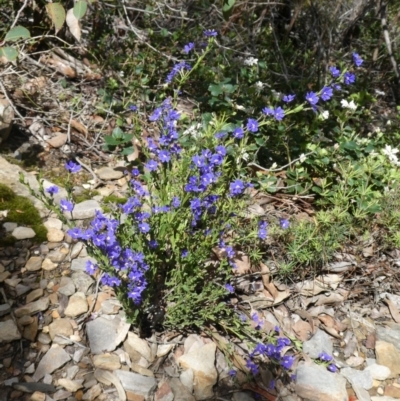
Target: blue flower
x: 220, y: 135
x: 164, y: 156
x: 66, y: 206
x: 144, y: 227
x: 312, y: 98
x: 334, y: 72
x: 176, y: 202
x: 326, y: 93
x: 232, y: 373
x: 357, y: 60
x: 151, y: 165
x: 188, y: 48
x: 153, y: 244
x: 252, y: 125
x: 229, y: 288
x: 252, y: 367
x: 323, y: 356
x: 132, y: 107
x: 287, y: 361
x: 349, y: 78
x: 135, y: 172
x: 91, y: 268
x: 75, y: 233
x: 210, y: 33
x: 268, y: 111
x: 238, y: 133
x: 177, y: 68
x: 72, y: 167
x: 262, y: 230
x: 332, y: 368
x: 185, y: 253
x: 279, y: 113
x: 156, y: 114
x: 284, y: 223
x: 221, y: 150
x: 288, y: 98
x: 52, y: 190
x: 236, y: 187
x: 230, y: 253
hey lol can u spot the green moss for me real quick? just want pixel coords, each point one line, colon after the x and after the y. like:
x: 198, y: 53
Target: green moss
x: 112, y: 199
x: 87, y: 194
x: 21, y: 211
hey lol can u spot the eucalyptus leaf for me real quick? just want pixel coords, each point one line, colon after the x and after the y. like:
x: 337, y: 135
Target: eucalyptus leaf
x: 17, y: 33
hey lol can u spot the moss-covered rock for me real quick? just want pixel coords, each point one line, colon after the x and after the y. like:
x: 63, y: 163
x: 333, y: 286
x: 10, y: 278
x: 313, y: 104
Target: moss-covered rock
x: 21, y: 211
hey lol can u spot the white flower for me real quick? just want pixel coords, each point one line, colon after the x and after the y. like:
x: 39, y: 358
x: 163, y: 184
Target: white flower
x: 250, y: 61
x: 193, y: 130
x: 391, y: 154
x: 259, y: 85
x: 303, y: 158
x: 324, y: 115
x: 348, y: 105
x: 239, y: 107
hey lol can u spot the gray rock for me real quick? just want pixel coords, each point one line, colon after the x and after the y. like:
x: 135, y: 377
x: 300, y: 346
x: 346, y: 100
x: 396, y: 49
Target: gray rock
x: 60, y: 327
x: 9, y: 331
x: 107, y: 173
x: 361, y: 393
x: 164, y: 392
x: 105, y: 334
x: 34, y: 295
x: 4, y: 309
x: 34, y: 263
x: 76, y: 250
x: 54, y: 358
x: 241, y: 396
x: 79, y: 264
x: 56, y: 256
x: 320, y: 342
x: 53, y: 223
x: 77, y: 305
x: 82, y: 281
x: 23, y: 233
x: 9, y: 227
x: 383, y: 398
x: 85, y: 210
x: 316, y: 383
x: 389, y: 334
x: 33, y: 307
x: 361, y: 378
x: 378, y: 372
x: 32, y: 387
x: 67, y: 286
x: 21, y: 289
x: 138, y: 384
x: 136, y: 344
x: 181, y: 393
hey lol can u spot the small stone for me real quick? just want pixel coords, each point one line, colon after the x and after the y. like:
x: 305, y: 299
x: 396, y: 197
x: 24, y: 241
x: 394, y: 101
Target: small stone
x: 135, y: 383
x: 361, y: 378
x: 58, y: 140
x: 202, y: 362
x: 320, y: 342
x: 101, y: 297
x: 21, y: 289
x: 388, y: 355
x: 55, y: 235
x: 187, y: 378
x: 355, y: 361
x: 53, y: 223
x: 107, y: 174
x: 180, y: 391
x: 33, y: 307
x: 5, y: 309
x: 56, y: 255
x: 70, y: 385
x: 34, y: 263
x: 9, y: 331
x: 92, y: 393
x: 137, y: 344
x: 76, y: 250
x: 164, y: 393
x: 32, y: 387
x: 25, y: 320
x: 61, y: 395
x: 9, y: 226
x: 392, y: 391
x: 54, y: 358
x: 34, y: 295
x: 316, y: 383
x: 107, y: 361
x: 164, y: 349
x: 38, y: 396
x: 77, y: 305
x: 241, y: 396
x: 23, y: 233
x: 48, y: 265
x: 79, y: 264
x: 4, y: 276
x: 67, y: 286
x: 44, y: 338
x: 378, y: 372
x: 361, y: 393
x: 82, y: 281
x: 141, y: 370
x: 60, y: 327
x: 390, y: 334
x: 85, y: 210
x: 30, y: 331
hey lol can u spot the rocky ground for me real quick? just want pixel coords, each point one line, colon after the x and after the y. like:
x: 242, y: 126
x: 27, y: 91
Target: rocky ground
x: 65, y: 337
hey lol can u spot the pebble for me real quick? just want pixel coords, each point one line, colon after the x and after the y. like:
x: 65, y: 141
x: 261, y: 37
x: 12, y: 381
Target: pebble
x: 4, y: 309
x: 92, y: 393
x: 361, y: 378
x: 23, y: 233
x: 34, y: 263
x: 76, y: 250
x: 79, y: 264
x: 378, y: 372
x: 33, y: 307
x: 77, y: 305
x: 85, y: 210
x: 70, y: 385
x: 60, y: 327
x: 9, y: 331
x: 316, y: 383
x: 9, y: 226
x: 138, y: 384
x: 53, y: 223
x: 135, y: 344
x: 54, y: 358
x: 388, y: 355
x: 202, y: 362
x: 55, y: 235
x: 82, y: 281
x: 107, y: 173
x: 32, y: 387
x: 107, y: 361
x: 181, y: 393
x: 58, y: 140
x: 34, y: 295
x: 67, y: 286
x: 164, y: 392
x: 320, y: 342
x: 56, y: 255
x: 48, y: 265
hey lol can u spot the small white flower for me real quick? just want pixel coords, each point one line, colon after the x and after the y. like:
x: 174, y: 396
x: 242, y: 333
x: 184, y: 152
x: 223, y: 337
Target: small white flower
x: 259, y: 85
x: 391, y: 154
x: 303, y: 158
x: 336, y: 146
x: 121, y: 74
x: 324, y: 115
x: 239, y: 107
x: 250, y: 61
x: 274, y: 166
x: 348, y: 105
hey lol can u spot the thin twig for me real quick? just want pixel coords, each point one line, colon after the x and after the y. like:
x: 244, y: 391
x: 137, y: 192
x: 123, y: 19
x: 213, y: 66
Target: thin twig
x: 280, y: 168
x: 3, y: 88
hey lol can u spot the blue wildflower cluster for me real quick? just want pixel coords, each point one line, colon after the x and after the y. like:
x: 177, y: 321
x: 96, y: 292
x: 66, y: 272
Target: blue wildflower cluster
x: 324, y: 357
x: 273, y: 352
x: 325, y: 94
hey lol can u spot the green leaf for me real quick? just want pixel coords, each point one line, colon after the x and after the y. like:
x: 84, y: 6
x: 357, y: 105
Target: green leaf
x: 117, y: 132
x: 9, y: 53
x: 215, y: 89
x: 57, y: 14
x: 18, y: 32
x: 228, y: 4
x: 128, y: 151
x: 110, y: 140
x: 80, y: 9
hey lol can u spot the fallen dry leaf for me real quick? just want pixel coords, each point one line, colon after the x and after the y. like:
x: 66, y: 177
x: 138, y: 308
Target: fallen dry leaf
x: 73, y: 24
x: 393, y: 310
x: 302, y: 329
x: 58, y: 64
